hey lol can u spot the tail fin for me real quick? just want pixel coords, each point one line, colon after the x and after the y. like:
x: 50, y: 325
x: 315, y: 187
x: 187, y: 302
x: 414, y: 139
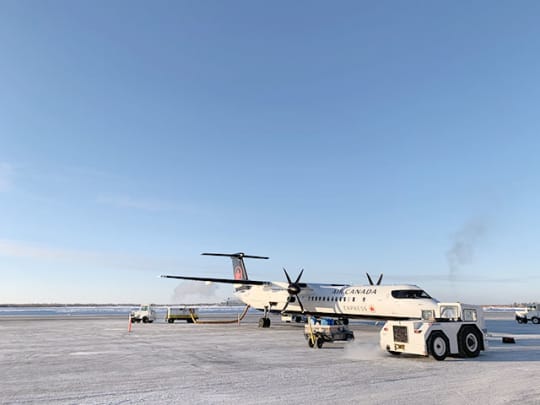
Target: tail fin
x: 239, y: 268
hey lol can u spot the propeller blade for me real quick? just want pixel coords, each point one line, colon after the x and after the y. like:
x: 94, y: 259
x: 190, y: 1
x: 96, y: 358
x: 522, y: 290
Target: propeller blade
x: 369, y: 279
x: 298, y: 278
x: 380, y: 279
x: 300, y: 303
x: 285, y: 307
x: 287, y: 275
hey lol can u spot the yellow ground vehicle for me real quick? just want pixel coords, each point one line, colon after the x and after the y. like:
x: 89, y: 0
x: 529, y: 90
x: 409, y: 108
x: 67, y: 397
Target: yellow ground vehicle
x: 317, y: 331
x: 181, y: 314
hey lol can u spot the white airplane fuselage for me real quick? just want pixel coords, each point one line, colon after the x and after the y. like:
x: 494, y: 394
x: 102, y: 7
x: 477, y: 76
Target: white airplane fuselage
x: 347, y: 301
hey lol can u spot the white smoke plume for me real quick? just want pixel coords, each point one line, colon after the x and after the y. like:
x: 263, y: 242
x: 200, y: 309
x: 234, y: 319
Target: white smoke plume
x: 464, y: 244
x: 193, y: 292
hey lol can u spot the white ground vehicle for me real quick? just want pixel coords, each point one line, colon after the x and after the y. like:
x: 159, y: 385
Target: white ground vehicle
x: 452, y: 329
x: 317, y: 331
x: 532, y: 314
x: 145, y: 313
x: 181, y: 314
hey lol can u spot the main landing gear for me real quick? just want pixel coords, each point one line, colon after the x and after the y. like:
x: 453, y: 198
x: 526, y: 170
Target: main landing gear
x: 264, y: 322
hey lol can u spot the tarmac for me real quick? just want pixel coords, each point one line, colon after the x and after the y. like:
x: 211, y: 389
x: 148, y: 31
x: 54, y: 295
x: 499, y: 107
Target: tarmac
x: 95, y: 360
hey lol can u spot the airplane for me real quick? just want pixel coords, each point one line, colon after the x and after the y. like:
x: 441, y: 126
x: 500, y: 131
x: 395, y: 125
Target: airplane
x: 342, y: 301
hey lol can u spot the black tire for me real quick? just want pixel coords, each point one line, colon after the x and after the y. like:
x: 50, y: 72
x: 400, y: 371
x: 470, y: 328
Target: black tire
x: 393, y: 353
x: 345, y: 321
x: 470, y: 342
x: 320, y: 342
x: 189, y: 320
x: 170, y: 320
x: 145, y: 319
x: 267, y: 323
x: 133, y: 320
x: 310, y: 342
x: 519, y: 321
x: 438, y: 346
x: 535, y: 320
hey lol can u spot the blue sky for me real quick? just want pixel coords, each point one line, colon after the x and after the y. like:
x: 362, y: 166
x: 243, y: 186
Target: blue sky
x: 342, y: 138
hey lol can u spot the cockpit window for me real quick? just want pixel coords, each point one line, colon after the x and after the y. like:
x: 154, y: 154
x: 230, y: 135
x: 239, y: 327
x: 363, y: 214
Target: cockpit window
x: 410, y: 294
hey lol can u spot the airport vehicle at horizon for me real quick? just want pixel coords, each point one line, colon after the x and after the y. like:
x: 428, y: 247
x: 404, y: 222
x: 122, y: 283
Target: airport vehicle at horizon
x: 145, y: 313
x: 189, y: 315
x: 531, y: 314
x: 452, y: 329
x: 289, y: 318
x: 317, y: 331
x: 342, y: 301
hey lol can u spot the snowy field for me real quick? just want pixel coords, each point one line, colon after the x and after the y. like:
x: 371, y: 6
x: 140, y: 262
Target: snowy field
x: 78, y: 360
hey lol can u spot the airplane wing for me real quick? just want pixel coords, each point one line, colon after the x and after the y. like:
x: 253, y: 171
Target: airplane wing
x: 220, y: 280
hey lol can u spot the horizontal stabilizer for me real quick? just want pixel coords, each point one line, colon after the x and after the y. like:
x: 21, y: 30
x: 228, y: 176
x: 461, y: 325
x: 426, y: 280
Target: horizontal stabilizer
x: 239, y: 255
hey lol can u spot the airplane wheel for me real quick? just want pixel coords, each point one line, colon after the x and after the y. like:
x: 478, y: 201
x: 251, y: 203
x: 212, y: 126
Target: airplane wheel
x: 310, y: 342
x: 320, y: 342
x: 535, y: 320
x: 267, y: 323
x: 438, y: 346
x: 262, y: 323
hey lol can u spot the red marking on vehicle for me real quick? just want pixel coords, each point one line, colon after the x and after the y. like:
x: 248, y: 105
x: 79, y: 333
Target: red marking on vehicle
x: 372, y: 308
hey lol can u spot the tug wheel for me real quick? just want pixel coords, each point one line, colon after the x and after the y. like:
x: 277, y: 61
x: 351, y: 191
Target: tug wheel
x: 470, y: 342
x: 535, y: 320
x: 438, y: 346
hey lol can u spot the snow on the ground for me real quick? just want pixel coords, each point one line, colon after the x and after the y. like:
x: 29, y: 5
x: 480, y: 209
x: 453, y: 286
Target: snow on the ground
x: 96, y: 361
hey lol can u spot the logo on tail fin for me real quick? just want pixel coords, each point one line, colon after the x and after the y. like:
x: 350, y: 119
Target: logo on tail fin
x: 238, y: 273
x: 239, y: 269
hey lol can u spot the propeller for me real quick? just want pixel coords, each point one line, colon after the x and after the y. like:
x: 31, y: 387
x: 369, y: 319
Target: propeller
x: 293, y: 289
x: 371, y: 281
